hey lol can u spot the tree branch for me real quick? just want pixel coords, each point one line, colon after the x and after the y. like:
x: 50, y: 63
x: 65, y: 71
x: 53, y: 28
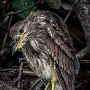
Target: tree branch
x: 5, y: 30
x: 82, y: 14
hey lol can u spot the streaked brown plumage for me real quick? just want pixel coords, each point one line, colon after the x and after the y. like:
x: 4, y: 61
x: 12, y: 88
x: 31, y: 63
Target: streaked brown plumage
x: 48, y: 48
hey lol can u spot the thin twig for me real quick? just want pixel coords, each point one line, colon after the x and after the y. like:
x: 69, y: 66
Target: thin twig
x: 18, y: 12
x: 35, y: 84
x: 15, y: 71
x: 7, y: 33
x: 5, y: 30
x: 67, y: 16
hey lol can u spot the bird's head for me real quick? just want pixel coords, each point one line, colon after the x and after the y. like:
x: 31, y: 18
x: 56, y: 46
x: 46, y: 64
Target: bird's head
x: 18, y: 40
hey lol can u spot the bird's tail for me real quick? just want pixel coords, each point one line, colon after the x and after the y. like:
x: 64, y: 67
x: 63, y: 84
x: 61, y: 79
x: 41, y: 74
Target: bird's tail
x: 65, y: 83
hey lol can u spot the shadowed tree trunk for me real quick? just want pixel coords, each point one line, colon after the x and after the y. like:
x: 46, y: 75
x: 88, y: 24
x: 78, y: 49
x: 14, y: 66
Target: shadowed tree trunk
x: 82, y: 12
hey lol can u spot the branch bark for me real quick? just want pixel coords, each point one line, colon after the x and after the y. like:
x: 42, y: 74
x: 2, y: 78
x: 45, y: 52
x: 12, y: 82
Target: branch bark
x: 82, y: 12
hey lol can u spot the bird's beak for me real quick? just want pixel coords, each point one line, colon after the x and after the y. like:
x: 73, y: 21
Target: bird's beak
x: 16, y: 43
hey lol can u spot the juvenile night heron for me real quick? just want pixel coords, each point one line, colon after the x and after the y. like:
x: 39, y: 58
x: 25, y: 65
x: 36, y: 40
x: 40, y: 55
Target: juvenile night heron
x: 46, y: 44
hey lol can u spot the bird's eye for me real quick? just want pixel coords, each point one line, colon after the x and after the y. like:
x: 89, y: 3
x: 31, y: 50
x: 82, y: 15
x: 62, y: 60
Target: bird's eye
x: 21, y: 31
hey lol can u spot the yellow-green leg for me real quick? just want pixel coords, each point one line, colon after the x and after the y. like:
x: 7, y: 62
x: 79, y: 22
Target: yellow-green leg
x: 54, y: 79
x: 47, y: 86
x: 53, y: 82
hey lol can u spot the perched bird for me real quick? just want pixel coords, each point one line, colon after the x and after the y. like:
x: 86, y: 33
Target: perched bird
x: 45, y: 42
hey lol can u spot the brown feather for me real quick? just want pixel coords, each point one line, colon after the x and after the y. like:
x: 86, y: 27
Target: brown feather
x: 48, y: 42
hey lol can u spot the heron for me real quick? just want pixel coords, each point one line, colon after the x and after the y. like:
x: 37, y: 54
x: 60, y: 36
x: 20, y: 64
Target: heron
x: 46, y: 44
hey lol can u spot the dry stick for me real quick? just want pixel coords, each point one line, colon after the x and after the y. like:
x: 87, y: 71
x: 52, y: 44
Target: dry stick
x: 67, y: 16
x: 4, y: 21
x: 35, y: 84
x: 7, y: 33
x: 4, y: 30
x: 18, y: 12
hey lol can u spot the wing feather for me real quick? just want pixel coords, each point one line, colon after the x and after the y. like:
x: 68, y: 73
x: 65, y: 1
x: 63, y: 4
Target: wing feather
x: 53, y: 37
x: 61, y: 49
x: 59, y: 45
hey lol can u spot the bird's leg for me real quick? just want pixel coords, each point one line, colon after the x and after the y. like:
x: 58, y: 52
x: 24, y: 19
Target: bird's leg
x: 54, y: 77
x: 47, y: 86
x: 53, y: 82
x: 20, y: 71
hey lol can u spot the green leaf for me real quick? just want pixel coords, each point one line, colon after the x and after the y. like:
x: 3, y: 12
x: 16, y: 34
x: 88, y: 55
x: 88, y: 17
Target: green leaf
x: 19, y: 5
x: 54, y: 3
